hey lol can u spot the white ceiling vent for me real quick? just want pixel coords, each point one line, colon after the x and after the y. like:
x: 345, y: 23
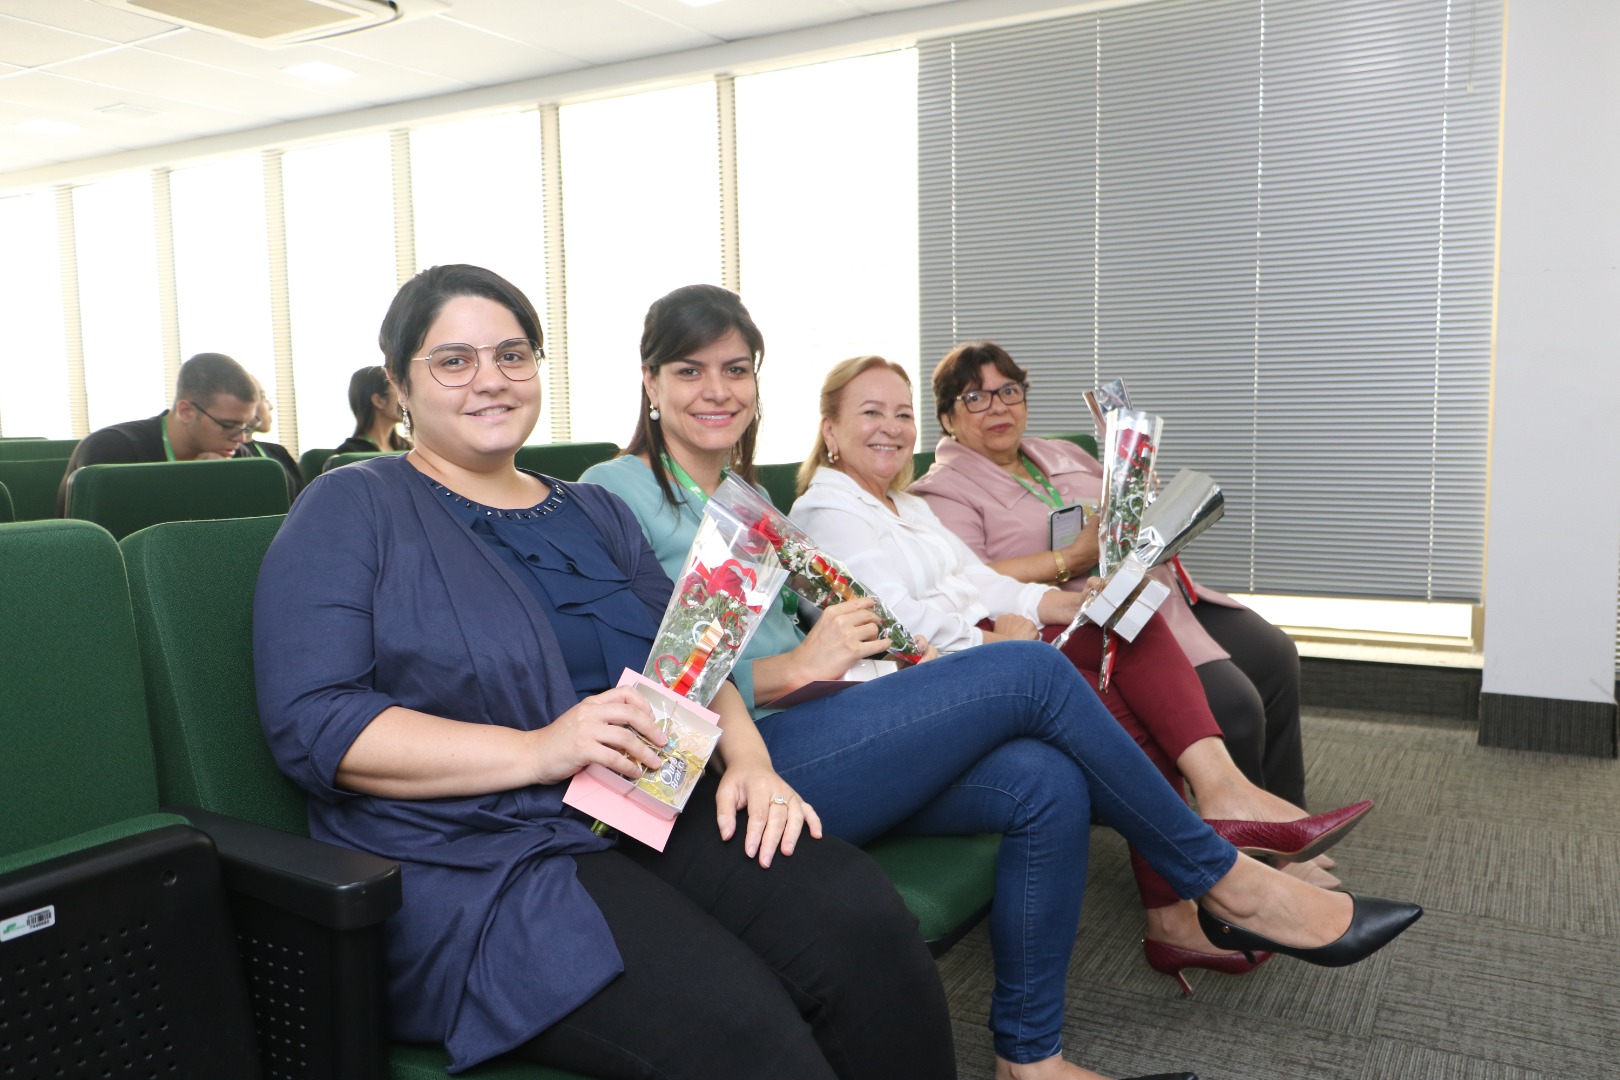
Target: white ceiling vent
x: 278, y: 22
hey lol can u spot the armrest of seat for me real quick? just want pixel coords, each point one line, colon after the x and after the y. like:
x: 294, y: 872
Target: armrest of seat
x: 328, y: 885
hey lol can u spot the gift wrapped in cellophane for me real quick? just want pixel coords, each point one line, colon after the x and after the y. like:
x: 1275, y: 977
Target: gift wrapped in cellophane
x: 816, y: 576
x: 727, y: 581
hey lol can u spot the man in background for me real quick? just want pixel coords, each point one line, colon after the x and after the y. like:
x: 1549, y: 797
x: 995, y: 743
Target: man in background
x: 215, y: 408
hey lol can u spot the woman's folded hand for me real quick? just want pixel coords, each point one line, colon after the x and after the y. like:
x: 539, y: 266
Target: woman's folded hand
x: 776, y: 814
x: 607, y: 730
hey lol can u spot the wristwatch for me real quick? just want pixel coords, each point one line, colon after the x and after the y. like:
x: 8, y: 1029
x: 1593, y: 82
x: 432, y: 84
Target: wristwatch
x: 1063, y: 567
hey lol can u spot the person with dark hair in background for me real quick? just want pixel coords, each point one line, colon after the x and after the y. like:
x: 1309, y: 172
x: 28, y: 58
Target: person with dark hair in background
x: 377, y: 414
x: 215, y: 409
x: 260, y: 448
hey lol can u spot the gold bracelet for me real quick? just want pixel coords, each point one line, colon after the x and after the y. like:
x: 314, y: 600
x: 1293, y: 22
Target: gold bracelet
x: 1062, y: 567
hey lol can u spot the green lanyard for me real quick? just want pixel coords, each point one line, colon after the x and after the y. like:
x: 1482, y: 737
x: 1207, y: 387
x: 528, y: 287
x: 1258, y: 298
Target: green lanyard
x: 163, y: 426
x: 684, y: 478
x: 790, y: 599
x: 1052, y: 498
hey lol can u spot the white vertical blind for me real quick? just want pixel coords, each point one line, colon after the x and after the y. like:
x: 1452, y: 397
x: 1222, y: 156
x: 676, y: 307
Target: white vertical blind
x: 1273, y: 218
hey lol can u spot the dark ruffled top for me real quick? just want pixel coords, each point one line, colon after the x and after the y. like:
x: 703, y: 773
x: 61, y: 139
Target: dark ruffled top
x: 557, y: 551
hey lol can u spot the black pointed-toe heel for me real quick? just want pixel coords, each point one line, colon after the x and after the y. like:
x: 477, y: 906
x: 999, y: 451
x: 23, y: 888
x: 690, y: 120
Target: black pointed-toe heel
x: 1374, y: 923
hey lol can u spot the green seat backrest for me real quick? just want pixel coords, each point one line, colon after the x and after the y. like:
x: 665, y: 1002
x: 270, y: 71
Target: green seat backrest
x: 192, y: 585
x: 337, y: 461
x: 75, y: 753
x: 310, y: 462
x: 565, y: 461
x: 921, y: 462
x: 33, y: 486
x: 124, y: 498
x: 6, y: 512
x: 780, y: 482
x: 1085, y: 442
x: 34, y: 449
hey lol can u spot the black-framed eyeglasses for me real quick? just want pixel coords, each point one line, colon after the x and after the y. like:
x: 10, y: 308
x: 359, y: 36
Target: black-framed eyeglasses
x: 229, y: 430
x: 456, y: 363
x: 979, y: 400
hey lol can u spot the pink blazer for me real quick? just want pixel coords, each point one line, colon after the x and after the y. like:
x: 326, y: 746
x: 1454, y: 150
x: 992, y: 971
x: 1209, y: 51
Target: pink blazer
x: 998, y: 518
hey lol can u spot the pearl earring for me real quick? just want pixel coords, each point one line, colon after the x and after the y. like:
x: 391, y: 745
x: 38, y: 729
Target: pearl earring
x: 653, y: 413
x: 832, y: 457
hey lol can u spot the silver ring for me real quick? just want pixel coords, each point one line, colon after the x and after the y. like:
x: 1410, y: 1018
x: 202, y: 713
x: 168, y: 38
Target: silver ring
x: 779, y: 801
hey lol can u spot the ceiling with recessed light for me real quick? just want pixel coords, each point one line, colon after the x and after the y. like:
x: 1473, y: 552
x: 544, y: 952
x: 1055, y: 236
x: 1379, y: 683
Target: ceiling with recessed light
x: 85, y: 81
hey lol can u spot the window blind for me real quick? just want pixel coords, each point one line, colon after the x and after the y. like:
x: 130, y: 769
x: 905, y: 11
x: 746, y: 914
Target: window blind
x: 1274, y: 219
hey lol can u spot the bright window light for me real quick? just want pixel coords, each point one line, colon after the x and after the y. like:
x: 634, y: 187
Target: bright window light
x: 340, y: 272
x: 641, y: 178
x: 827, y: 181
x: 503, y: 227
x: 222, y: 269
x: 118, y: 300
x: 33, y: 395
x: 1337, y: 615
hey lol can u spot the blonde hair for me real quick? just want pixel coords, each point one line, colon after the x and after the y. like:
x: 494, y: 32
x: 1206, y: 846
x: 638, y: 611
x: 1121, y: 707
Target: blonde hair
x: 832, y: 396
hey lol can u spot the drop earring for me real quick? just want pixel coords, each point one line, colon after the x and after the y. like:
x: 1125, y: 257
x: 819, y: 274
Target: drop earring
x: 832, y: 457
x: 653, y: 413
x: 405, y: 415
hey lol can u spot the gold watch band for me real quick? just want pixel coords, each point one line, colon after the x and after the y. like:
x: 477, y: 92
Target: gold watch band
x: 1062, y: 567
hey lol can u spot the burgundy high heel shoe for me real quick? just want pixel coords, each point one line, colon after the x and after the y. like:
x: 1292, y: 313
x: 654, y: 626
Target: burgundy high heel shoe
x: 1293, y: 840
x: 1171, y: 959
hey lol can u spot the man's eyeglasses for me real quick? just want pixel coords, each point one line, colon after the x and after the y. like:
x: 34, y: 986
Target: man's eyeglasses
x: 229, y: 430
x: 455, y: 364
x: 979, y: 400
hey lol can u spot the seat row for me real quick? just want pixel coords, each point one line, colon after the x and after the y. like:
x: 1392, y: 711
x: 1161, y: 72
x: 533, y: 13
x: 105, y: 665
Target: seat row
x: 160, y: 899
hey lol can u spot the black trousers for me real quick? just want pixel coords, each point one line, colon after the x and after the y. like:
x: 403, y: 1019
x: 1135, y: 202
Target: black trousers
x: 811, y: 969
x: 1255, y: 698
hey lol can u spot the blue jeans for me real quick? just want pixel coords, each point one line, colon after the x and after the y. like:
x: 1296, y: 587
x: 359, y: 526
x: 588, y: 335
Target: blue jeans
x: 1001, y: 738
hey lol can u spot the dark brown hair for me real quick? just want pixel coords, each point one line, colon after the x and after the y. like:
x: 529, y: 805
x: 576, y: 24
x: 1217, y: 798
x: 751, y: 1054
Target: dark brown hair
x: 959, y: 372
x: 420, y: 300
x: 677, y: 325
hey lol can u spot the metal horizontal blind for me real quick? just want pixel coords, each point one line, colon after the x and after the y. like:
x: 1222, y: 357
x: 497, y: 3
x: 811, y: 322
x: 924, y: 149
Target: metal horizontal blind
x: 1274, y: 219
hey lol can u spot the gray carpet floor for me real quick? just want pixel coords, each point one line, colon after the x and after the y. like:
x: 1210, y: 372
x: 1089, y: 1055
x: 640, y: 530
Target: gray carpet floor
x: 1513, y: 973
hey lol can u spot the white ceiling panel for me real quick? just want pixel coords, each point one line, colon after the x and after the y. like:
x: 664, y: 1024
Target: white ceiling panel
x: 453, y: 50
x: 376, y: 81
x: 591, y: 31
x: 31, y: 45
x: 199, y: 84
x: 67, y: 59
x: 87, y: 17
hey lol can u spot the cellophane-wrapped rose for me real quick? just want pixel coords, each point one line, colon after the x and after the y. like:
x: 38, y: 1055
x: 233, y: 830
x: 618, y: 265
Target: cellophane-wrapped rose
x: 812, y: 573
x: 1129, y: 446
x: 728, y: 580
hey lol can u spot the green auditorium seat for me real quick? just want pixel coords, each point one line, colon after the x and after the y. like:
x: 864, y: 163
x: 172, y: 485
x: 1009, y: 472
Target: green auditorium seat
x: 6, y: 511
x: 565, y: 461
x: 921, y: 462
x: 127, y: 497
x: 118, y: 955
x: 1088, y: 443
x: 33, y: 486
x: 337, y: 461
x: 192, y: 584
x: 34, y: 449
x: 779, y: 481
x: 193, y: 587
x: 310, y: 462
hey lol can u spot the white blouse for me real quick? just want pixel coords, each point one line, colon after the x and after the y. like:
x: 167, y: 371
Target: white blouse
x: 928, y: 578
